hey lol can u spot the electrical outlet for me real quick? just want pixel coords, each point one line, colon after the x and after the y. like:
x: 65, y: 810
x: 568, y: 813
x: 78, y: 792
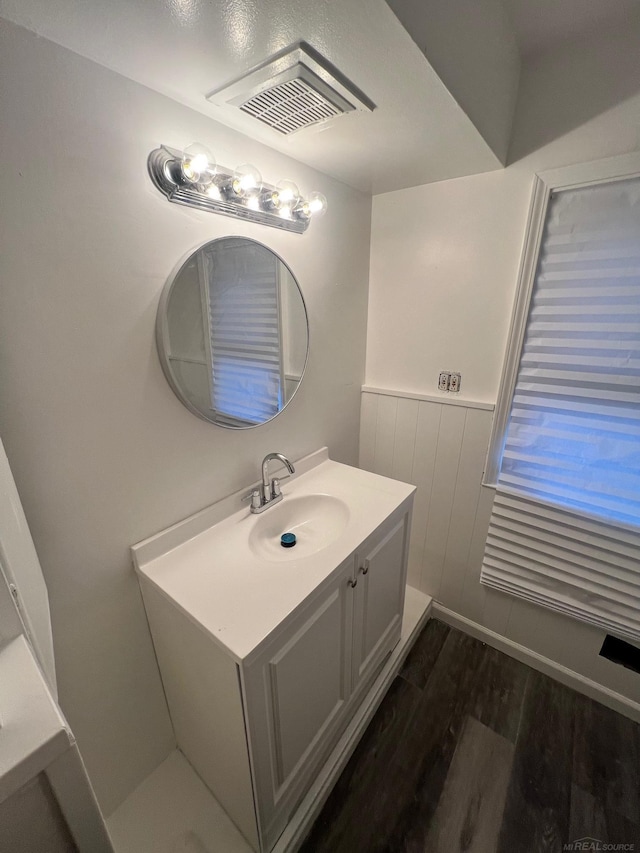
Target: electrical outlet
x: 443, y: 381
x: 454, y: 382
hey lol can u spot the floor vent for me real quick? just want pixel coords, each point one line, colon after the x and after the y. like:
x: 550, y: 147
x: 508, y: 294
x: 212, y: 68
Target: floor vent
x: 619, y: 651
x: 295, y: 89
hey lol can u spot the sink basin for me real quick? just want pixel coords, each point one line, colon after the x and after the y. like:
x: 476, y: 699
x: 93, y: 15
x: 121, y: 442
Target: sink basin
x: 317, y: 520
x: 225, y: 567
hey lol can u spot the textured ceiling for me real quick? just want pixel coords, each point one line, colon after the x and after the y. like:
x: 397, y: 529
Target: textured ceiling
x: 187, y: 48
x: 418, y: 133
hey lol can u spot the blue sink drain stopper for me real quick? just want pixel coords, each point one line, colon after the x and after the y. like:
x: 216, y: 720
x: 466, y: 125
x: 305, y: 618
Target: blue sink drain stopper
x: 288, y: 540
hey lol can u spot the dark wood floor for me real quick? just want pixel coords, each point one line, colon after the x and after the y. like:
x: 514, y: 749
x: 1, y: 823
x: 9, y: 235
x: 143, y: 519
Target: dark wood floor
x: 473, y: 751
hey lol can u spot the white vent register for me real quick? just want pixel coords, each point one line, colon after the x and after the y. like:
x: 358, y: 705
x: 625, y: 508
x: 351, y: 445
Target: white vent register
x: 293, y: 90
x: 290, y: 106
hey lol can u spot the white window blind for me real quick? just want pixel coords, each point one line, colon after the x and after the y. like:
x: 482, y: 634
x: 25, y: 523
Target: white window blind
x: 565, y: 527
x: 244, y: 317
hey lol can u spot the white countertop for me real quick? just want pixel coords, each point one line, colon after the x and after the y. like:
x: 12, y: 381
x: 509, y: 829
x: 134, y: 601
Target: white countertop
x: 239, y: 598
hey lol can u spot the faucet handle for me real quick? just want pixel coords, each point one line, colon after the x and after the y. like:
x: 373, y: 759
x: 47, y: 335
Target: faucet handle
x: 254, y: 497
x: 275, y: 485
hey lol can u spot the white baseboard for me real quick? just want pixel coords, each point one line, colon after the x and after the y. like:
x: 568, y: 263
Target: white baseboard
x: 568, y: 677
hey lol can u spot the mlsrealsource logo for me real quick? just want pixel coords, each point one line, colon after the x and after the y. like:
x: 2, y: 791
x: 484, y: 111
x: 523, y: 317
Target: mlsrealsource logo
x: 596, y: 846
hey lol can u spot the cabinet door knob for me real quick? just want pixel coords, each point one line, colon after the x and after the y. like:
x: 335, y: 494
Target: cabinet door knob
x: 364, y: 569
x: 353, y: 582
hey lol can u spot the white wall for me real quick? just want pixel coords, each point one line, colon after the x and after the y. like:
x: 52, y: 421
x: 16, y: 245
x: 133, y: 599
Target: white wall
x: 444, y: 265
x: 445, y: 256
x: 444, y: 259
x: 102, y: 451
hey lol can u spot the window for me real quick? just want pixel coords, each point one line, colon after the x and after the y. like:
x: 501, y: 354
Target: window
x: 565, y: 454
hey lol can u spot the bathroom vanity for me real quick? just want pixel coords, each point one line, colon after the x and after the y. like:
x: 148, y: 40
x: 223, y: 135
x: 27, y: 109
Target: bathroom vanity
x: 267, y: 653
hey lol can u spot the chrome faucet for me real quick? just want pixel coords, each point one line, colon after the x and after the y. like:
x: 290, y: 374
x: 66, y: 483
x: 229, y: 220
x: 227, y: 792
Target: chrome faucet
x: 269, y: 492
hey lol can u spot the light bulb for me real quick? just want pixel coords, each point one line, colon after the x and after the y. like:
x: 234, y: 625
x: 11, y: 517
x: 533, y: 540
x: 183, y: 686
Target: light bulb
x: 198, y: 165
x: 286, y: 196
x: 247, y: 181
x: 315, y: 205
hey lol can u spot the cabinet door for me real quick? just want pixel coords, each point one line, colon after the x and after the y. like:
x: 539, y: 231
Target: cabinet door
x: 295, y: 694
x: 379, y: 597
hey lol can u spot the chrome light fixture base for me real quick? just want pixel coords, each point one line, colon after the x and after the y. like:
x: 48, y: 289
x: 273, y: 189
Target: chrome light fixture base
x: 163, y: 168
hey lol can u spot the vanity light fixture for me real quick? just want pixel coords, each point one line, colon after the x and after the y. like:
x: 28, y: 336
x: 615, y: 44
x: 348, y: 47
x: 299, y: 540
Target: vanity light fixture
x: 192, y: 177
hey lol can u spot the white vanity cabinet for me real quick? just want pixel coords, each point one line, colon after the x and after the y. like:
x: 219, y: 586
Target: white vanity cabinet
x: 381, y: 569
x: 296, y: 692
x: 303, y: 686
x: 265, y: 666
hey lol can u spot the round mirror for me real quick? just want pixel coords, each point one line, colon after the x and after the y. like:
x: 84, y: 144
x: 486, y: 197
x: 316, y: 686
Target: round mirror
x: 232, y: 333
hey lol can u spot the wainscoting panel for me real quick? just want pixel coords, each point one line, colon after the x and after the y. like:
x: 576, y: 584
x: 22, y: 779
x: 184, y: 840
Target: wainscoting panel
x: 440, y: 447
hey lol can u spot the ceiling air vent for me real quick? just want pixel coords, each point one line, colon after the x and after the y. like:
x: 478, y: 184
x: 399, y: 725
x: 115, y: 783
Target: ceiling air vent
x: 291, y: 106
x: 293, y: 90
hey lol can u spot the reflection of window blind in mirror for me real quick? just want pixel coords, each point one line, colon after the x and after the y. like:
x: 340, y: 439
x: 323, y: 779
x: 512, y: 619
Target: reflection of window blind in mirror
x: 244, y: 318
x: 565, y: 528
